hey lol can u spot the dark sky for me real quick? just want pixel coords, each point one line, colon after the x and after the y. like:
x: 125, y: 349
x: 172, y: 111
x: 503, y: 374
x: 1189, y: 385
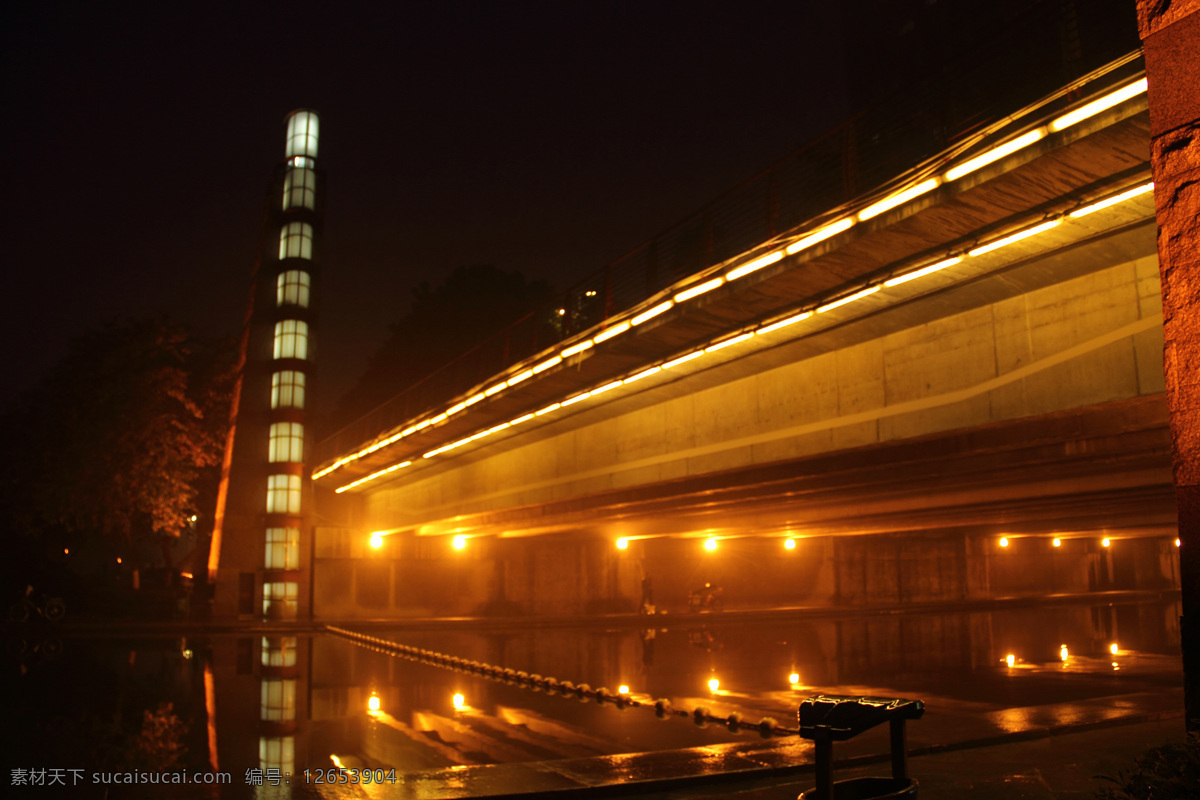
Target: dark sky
x: 548, y: 137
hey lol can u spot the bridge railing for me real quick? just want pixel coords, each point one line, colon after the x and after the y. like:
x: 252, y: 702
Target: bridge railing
x: 863, y: 153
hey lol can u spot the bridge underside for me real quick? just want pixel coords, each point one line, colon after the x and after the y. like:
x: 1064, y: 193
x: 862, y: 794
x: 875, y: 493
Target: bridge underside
x: 1101, y: 468
x: 894, y: 455
x: 893, y: 441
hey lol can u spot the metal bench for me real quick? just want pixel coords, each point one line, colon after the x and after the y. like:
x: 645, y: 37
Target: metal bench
x: 831, y: 718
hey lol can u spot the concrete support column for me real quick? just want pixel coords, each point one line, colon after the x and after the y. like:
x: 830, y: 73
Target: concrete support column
x: 1170, y: 32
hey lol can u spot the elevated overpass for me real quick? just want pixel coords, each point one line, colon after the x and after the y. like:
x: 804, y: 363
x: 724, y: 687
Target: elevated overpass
x: 948, y: 388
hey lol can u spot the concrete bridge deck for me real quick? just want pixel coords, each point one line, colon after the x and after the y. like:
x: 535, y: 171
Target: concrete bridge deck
x: 981, y: 361
x: 1060, y: 172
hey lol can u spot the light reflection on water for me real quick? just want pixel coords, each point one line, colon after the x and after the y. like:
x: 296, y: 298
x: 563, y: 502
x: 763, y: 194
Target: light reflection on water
x: 291, y: 703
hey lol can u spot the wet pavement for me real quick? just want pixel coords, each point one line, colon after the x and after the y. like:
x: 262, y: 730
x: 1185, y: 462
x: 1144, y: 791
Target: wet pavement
x: 948, y: 757
x: 1064, y: 765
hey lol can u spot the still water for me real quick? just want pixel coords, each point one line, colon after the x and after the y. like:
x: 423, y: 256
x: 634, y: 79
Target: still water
x: 87, y: 709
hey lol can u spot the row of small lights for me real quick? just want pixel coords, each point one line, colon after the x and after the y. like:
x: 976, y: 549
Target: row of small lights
x: 821, y: 234
x: 710, y: 544
x: 1057, y: 542
x: 459, y: 542
x: 1064, y: 654
x: 459, y: 700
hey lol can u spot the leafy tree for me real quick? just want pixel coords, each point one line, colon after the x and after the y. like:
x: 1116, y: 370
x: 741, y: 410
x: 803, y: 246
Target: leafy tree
x: 122, y: 439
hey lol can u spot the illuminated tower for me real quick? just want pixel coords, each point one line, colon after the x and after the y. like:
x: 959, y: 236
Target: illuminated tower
x: 259, y: 553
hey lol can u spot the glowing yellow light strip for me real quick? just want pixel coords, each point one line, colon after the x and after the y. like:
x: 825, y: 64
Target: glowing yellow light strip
x: 609, y: 333
x: 1016, y: 237
x: 643, y: 374
x: 683, y: 359
x: 1111, y: 201
x: 712, y: 348
x: 1096, y: 106
x: 920, y: 273
x: 996, y: 153
x: 757, y: 264
x: 619, y: 328
x: 618, y: 383
x: 653, y: 312
x: 821, y: 235
x: 576, y: 348
x: 547, y: 364
x: 520, y: 376
x: 699, y: 289
x: 614, y: 330
x: 783, y: 323
x: 890, y: 202
x: 849, y: 298
x: 372, y: 476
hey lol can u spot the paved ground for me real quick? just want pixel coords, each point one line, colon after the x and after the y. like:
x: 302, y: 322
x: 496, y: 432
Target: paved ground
x: 1059, y: 767
x: 1041, y: 763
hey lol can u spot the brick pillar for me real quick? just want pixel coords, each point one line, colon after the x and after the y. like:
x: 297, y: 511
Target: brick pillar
x: 1170, y: 31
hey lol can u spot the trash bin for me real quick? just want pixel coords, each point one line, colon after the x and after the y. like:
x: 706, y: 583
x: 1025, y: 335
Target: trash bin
x: 831, y: 718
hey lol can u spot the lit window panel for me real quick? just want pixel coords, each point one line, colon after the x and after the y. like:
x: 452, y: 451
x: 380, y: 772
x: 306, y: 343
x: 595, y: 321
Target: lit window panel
x: 287, y: 389
x: 303, y: 129
x: 299, y: 188
x: 283, y: 494
x: 291, y: 339
x: 292, y: 288
x: 286, y: 443
x: 283, y: 548
x: 295, y: 241
x: 280, y: 599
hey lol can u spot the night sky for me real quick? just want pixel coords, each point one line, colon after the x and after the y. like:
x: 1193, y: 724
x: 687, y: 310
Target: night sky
x: 546, y: 137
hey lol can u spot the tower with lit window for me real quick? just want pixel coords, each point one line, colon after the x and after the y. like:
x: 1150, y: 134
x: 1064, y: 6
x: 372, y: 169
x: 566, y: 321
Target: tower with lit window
x: 258, y: 558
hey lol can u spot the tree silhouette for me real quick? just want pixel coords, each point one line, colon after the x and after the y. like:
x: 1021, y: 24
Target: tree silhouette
x: 122, y: 438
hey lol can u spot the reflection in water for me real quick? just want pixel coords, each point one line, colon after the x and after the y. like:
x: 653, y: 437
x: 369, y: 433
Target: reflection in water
x: 314, y: 703
x: 744, y: 670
